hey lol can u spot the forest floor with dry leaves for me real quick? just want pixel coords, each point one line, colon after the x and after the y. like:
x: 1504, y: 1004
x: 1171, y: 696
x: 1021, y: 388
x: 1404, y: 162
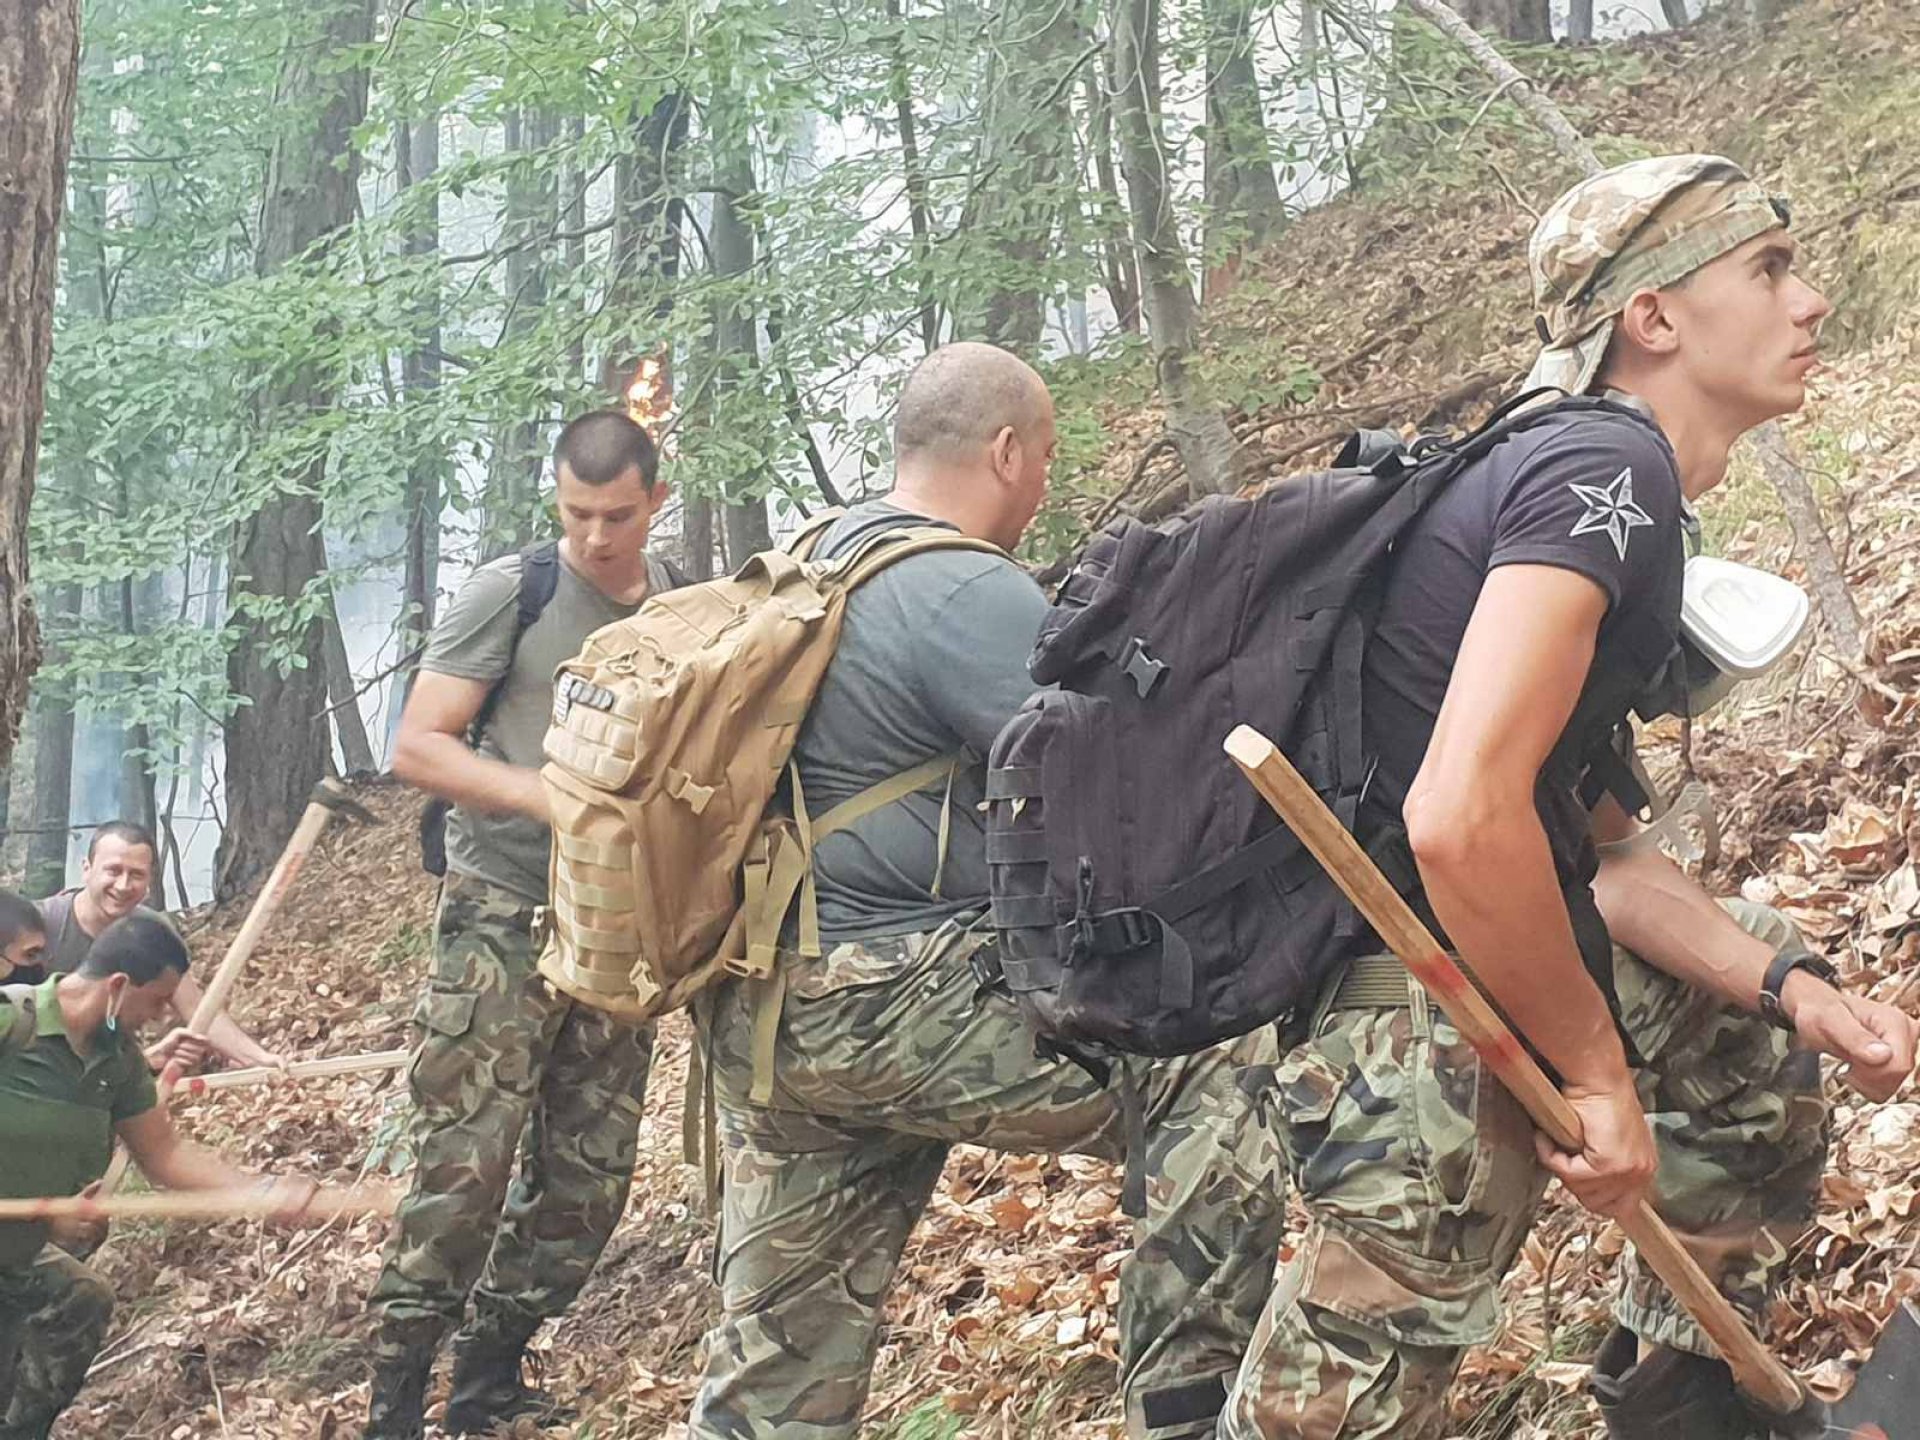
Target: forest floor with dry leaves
x: 1001, y: 1322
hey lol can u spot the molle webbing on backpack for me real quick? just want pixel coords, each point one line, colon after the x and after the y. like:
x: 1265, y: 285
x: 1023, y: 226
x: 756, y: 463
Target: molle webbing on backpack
x: 672, y: 736
x: 1147, y: 899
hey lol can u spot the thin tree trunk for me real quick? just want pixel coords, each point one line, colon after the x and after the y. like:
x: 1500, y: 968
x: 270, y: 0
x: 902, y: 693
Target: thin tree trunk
x: 276, y: 748
x: 514, y: 460
x: 1243, y: 198
x: 137, y: 800
x: 1525, y: 21
x: 356, y: 750
x: 648, y: 211
x: 416, y: 162
x: 696, y: 537
x: 915, y: 172
x: 1580, y: 20
x: 1212, y: 457
x: 1811, y: 542
x: 1677, y: 17
x: 52, y: 722
x: 736, y: 340
x: 39, y: 69
x: 1027, y: 140
x: 1116, y: 246
x: 1534, y: 101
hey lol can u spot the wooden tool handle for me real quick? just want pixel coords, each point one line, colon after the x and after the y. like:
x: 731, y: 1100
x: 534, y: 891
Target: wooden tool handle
x: 298, y: 1070
x: 1755, y: 1370
x: 240, y: 1204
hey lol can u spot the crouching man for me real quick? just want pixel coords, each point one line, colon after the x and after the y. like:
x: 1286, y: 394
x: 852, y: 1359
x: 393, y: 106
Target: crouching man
x: 1522, y: 616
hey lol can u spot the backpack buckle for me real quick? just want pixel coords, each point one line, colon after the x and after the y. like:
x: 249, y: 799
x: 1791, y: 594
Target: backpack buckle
x: 1135, y: 927
x: 1140, y: 667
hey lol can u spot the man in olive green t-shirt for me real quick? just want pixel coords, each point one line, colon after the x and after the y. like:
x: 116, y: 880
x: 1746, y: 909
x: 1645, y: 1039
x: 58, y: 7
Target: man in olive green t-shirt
x: 507, y: 1067
x: 72, y: 1078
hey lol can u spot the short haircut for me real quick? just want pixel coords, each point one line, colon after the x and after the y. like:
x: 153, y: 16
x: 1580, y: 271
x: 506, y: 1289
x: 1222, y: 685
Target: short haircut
x: 599, y: 447
x: 131, y: 831
x: 142, y: 946
x: 19, y: 916
x: 960, y: 397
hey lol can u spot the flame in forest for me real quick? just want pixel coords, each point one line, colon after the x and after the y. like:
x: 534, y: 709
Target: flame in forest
x: 649, y: 395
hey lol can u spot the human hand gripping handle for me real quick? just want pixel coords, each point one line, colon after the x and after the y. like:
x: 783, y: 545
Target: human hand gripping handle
x: 1759, y: 1375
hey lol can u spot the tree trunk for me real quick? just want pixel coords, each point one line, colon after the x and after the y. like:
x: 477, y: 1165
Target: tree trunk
x: 1811, y: 542
x: 52, y: 720
x: 514, y: 461
x: 648, y: 212
x: 416, y: 145
x: 1028, y: 145
x: 137, y: 800
x: 1539, y: 107
x: 1122, y: 280
x: 915, y: 172
x: 356, y: 750
x: 1525, y: 21
x: 736, y: 339
x: 39, y: 69
x: 276, y: 748
x: 1580, y: 21
x: 696, y: 537
x: 1243, y: 198
x: 1678, y: 18
x: 1212, y: 457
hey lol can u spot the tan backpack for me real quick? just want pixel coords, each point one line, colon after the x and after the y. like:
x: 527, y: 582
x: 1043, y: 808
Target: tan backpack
x: 672, y: 730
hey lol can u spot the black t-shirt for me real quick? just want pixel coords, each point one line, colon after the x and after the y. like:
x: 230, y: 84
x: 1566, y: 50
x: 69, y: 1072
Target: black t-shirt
x: 1597, y: 493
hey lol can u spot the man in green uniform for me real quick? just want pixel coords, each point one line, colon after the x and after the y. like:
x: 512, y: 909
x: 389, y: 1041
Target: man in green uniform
x: 888, y: 1052
x: 506, y: 1067
x: 71, y: 1079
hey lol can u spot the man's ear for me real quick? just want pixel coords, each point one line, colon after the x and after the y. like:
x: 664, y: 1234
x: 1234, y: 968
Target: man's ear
x: 1647, y: 323
x: 657, y: 497
x: 1003, y: 453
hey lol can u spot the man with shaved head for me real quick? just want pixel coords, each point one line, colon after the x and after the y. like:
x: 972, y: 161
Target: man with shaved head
x: 888, y: 1050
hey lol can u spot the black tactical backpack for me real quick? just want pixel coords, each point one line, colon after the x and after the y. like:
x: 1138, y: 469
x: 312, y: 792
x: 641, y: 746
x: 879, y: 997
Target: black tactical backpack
x: 1146, y: 897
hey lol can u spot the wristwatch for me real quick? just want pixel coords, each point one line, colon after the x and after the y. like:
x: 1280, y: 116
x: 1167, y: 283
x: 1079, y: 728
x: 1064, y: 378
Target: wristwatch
x: 1784, y: 964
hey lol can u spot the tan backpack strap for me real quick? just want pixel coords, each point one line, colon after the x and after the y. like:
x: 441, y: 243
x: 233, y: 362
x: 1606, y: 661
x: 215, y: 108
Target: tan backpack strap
x: 807, y: 538
x: 894, y: 787
x: 890, y: 547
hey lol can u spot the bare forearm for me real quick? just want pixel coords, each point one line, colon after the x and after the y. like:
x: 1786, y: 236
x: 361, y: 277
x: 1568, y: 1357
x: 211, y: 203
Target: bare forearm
x: 186, y: 1166
x: 1514, y: 934
x: 447, y: 766
x: 1657, y: 911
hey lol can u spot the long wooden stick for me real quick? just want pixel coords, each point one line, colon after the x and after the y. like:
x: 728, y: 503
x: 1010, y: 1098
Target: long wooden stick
x: 298, y: 1070
x: 214, y: 999
x: 1755, y: 1370
x: 240, y: 1204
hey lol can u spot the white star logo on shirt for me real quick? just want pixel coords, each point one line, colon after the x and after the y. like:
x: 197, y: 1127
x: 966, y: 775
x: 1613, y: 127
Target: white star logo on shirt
x: 1610, y: 508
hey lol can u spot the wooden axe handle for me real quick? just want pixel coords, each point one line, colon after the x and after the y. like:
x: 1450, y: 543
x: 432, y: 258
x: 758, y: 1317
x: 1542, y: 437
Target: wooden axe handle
x: 1754, y: 1368
x: 299, y: 1070
x: 238, y: 1204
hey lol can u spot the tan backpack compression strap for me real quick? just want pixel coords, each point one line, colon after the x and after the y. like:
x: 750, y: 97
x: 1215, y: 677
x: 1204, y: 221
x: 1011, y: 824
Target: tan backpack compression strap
x: 890, y: 547
x: 894, y: 787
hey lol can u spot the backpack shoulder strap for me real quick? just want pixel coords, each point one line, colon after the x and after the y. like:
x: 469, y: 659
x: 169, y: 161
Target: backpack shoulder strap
x: 807, y: 538
x: 876, y: 552
x: 539, y: 578
x: 19, y: 1017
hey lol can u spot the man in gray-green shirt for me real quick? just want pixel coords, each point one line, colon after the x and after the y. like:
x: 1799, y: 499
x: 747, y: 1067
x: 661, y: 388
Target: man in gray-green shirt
x: 506, y: 1066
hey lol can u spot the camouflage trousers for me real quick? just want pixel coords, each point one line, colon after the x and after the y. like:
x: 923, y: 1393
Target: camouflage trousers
x: 1419, y: 1173
x: 885, y: 1057
x: 53, y: 1318
x: 506, y: 1068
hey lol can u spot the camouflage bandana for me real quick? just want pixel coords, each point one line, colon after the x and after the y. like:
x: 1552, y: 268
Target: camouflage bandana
x: 1639, y: 226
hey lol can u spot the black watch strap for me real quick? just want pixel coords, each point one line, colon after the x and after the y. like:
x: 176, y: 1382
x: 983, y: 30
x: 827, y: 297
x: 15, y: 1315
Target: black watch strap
x: 1784, y: 964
